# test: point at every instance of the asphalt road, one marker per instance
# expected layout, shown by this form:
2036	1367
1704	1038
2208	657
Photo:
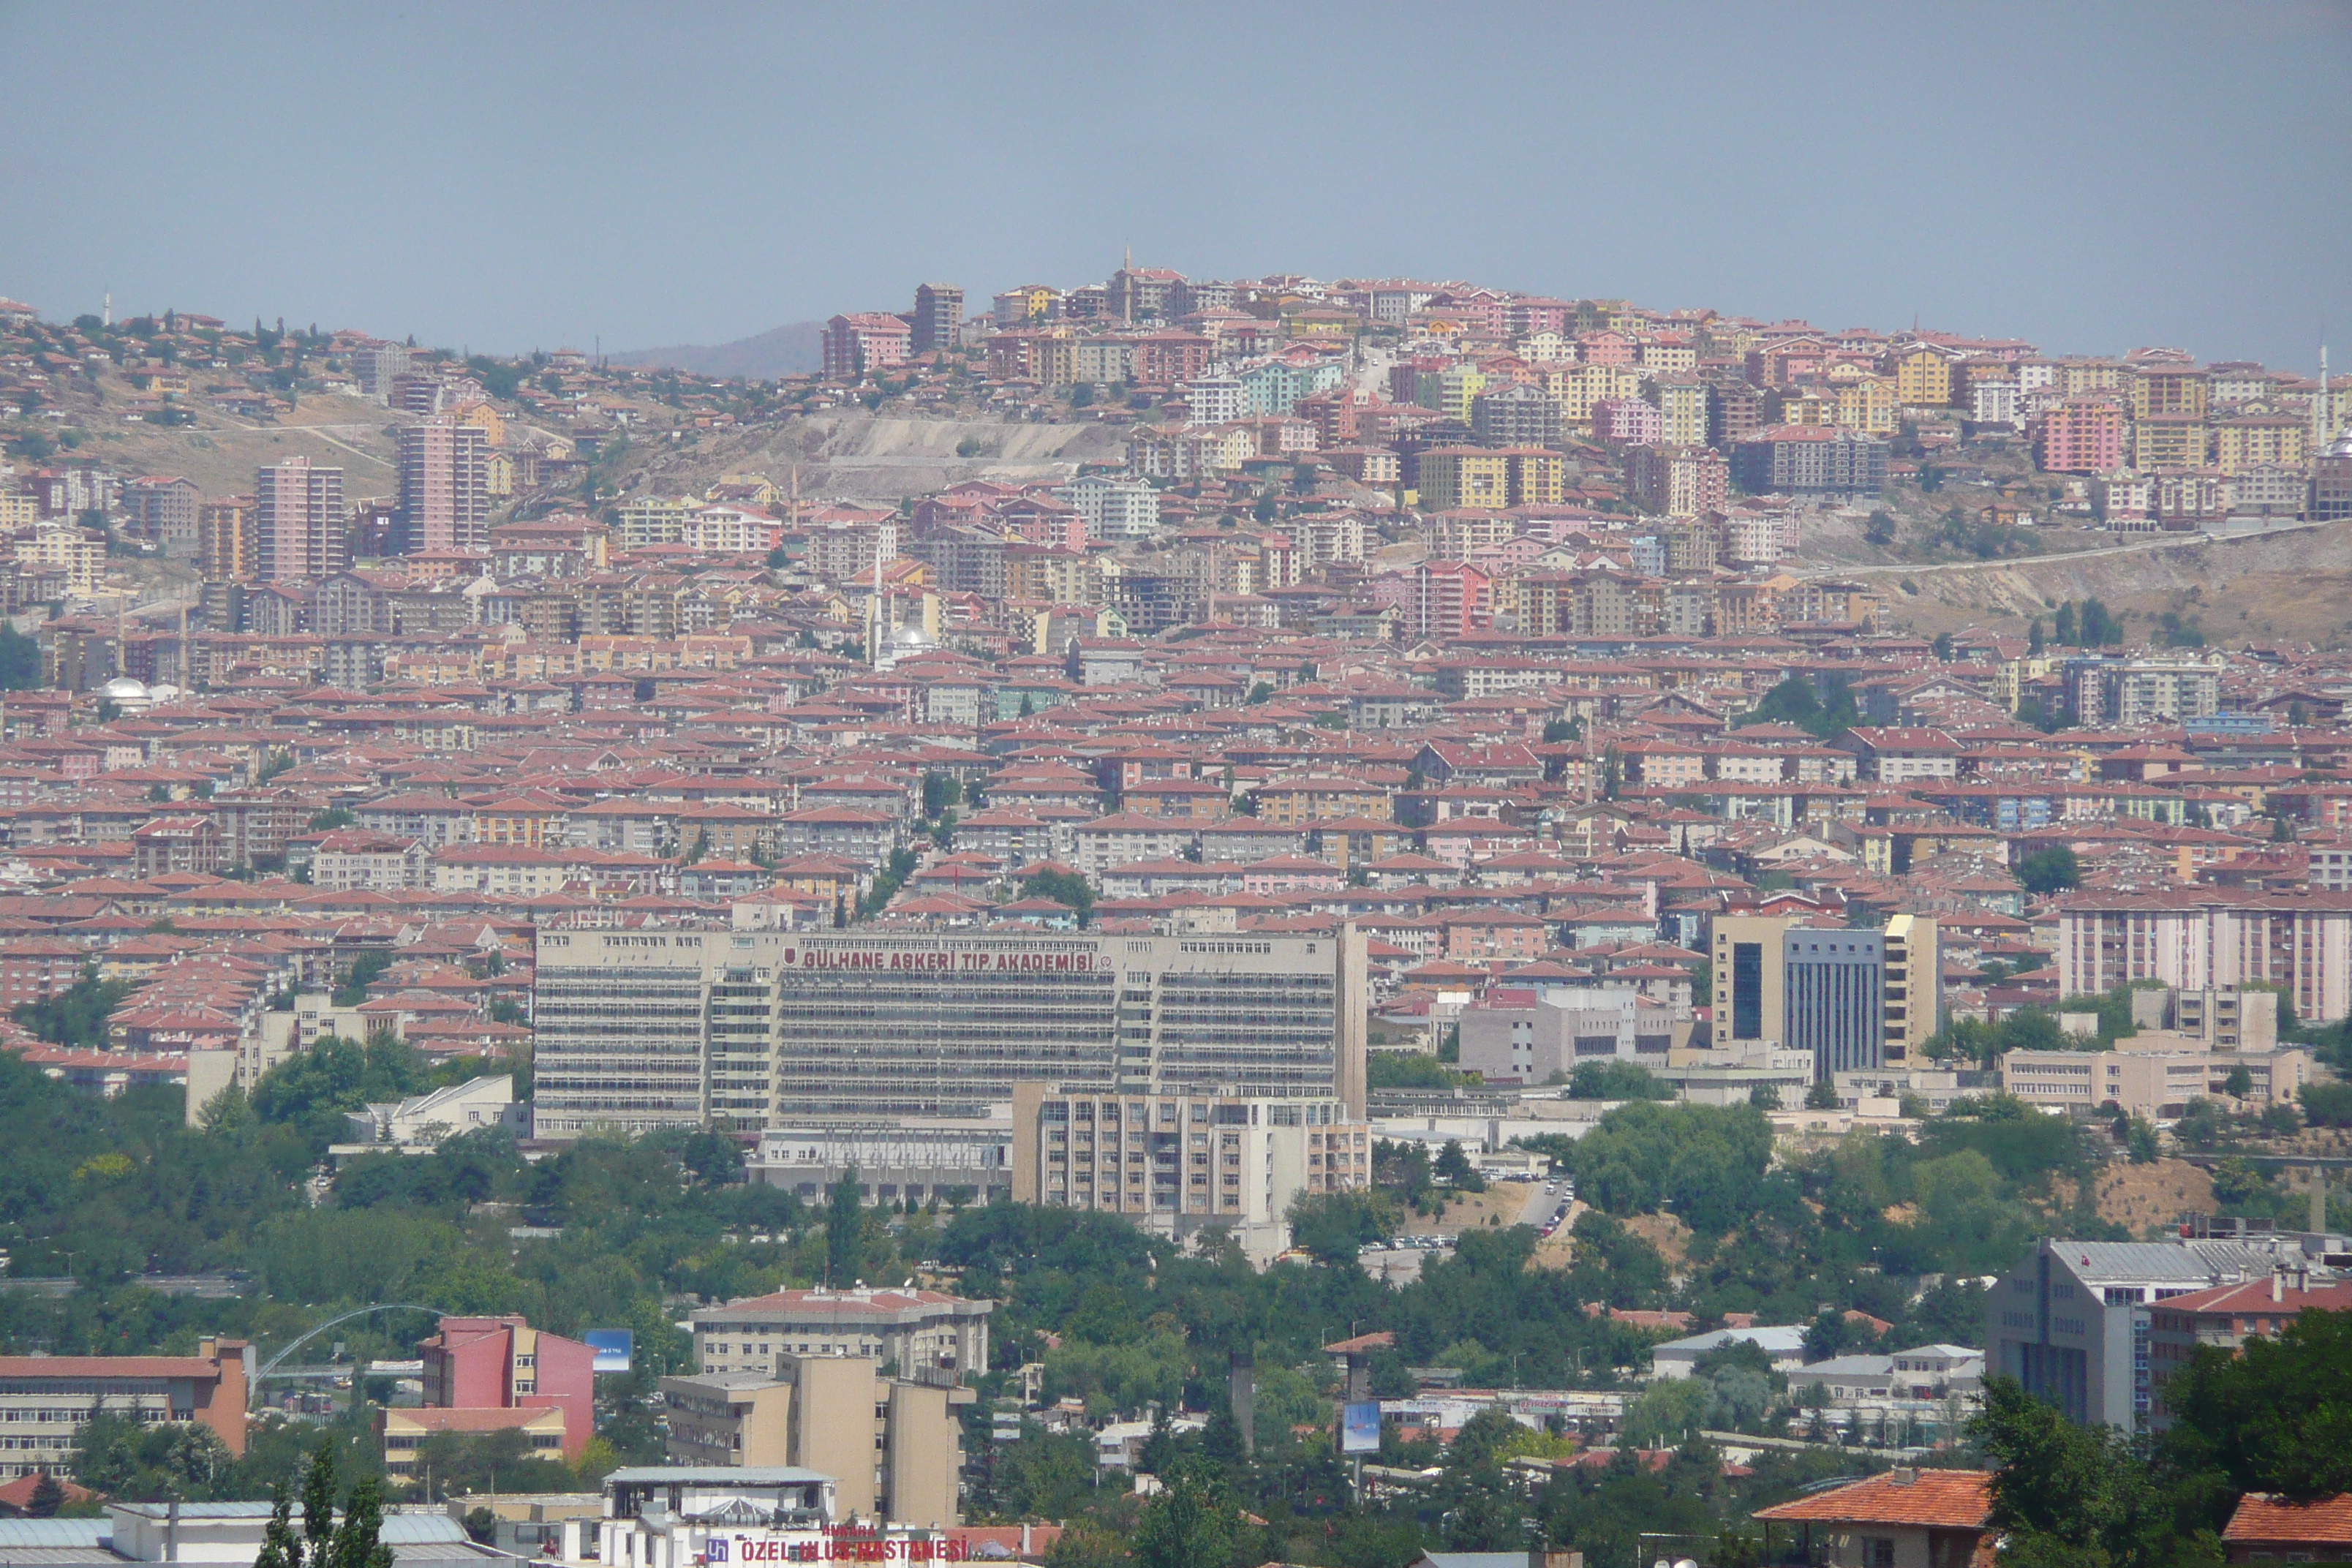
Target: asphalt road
2013	563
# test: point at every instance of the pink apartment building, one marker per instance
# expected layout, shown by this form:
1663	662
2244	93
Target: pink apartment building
2081	436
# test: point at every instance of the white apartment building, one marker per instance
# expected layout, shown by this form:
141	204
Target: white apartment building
1116	506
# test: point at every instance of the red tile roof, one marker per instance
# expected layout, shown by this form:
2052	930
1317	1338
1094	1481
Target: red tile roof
1939	1499
2264	1518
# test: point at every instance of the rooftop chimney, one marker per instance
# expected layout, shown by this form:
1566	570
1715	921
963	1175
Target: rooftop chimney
2278	1284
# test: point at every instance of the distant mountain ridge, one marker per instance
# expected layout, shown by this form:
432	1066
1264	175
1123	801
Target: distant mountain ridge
793	349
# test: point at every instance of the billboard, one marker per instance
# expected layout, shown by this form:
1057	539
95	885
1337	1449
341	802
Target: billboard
611	1347
1360	1428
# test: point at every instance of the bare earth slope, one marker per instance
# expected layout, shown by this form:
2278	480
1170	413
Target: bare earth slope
2293	583
858	456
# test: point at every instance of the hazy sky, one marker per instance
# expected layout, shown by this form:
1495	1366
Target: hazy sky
506	175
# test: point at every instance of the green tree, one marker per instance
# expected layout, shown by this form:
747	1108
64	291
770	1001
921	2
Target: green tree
1665	1411
1822	1095
1410	1070
2064	1494
1615	1079
319	1504
1065	888
46	1499
2275	1418
365	971
280	1547
20	659
75	1016
357	1542
941	792
1192	1523
1332	1226
2049	870
845	1231
1452	1167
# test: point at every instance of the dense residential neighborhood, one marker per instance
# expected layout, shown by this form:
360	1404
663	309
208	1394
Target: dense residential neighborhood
1173	922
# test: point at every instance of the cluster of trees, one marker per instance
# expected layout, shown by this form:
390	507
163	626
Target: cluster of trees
2089	626
77	1015
1410	1070
2271	1420
1795	701
1615	1078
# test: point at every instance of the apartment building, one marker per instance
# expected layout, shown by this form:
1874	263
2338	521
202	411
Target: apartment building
162	510
2225	1317
1679	481
298	516
228	540
503	1363
939	319
2205	939
1456	477
1116	506
2080	435
1811	459
864	341
445	497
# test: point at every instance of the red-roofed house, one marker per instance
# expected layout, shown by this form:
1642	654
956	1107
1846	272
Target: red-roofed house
1904	1519
2267	1528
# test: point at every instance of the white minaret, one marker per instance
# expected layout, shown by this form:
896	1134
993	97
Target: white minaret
105	312
2322	412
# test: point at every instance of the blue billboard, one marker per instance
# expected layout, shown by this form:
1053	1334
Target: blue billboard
611	1347
1360	1428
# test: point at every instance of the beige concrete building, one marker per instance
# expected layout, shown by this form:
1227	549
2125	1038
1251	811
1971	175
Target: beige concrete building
916	1333
1175	1163
726	1418
2154	1075
1914	986
892	1443
46	1400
